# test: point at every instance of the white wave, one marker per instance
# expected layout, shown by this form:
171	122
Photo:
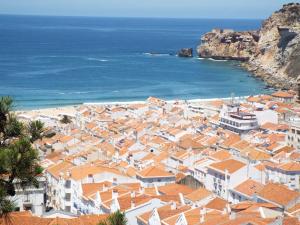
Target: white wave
218	60
96	59
215	60
156	54
73	92
80	92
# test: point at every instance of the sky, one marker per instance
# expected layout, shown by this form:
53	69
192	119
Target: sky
257	9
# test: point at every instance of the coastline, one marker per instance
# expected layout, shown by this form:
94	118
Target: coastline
69	110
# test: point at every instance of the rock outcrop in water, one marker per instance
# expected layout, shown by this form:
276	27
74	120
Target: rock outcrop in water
185	52
272	53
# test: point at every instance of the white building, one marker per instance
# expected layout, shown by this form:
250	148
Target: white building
293	136
224	175
31	198
235	120
65	184
285	173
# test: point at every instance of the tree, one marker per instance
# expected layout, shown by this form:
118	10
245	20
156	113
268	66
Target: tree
19	162
65	119
116	218
36	130
5	108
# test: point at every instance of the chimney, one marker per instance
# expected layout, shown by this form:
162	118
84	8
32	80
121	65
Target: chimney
156	190
114	193
173	205
104	187
202	214
181	199
132	204
69	173
132	194
228	208
232	216
142	190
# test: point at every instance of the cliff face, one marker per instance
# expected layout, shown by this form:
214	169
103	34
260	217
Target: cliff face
273	52
227	44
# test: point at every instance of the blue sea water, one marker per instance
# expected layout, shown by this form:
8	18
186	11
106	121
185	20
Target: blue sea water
55	61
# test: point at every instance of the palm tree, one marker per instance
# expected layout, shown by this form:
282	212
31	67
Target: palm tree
116	218
65	119
36	129
13	127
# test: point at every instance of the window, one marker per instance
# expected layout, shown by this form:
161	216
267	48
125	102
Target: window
27	207
68	184
293	131
68	197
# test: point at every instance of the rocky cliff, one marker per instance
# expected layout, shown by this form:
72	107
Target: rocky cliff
272	53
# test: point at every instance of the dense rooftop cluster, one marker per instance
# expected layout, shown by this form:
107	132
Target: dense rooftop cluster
181	162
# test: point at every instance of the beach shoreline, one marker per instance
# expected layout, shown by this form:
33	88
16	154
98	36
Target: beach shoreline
71	109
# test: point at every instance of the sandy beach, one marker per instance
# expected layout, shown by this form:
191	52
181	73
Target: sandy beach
71	110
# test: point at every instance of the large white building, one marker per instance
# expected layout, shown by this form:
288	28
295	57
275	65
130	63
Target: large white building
293	136
235	120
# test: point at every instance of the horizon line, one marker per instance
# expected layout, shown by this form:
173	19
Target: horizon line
129	17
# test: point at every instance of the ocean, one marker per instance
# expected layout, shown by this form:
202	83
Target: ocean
58	61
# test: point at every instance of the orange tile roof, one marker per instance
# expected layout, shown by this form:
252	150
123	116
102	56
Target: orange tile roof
244	205
164	212
199	194
253	99
83	171
217	203
241	145
231	140
271	192
282	94
62	167
26	218
221	155
255	154
290	221
66	138
249	187
187	143
91	188
170	189
290	166
231	165
153	171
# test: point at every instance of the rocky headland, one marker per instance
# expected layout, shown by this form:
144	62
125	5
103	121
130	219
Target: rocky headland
271	53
